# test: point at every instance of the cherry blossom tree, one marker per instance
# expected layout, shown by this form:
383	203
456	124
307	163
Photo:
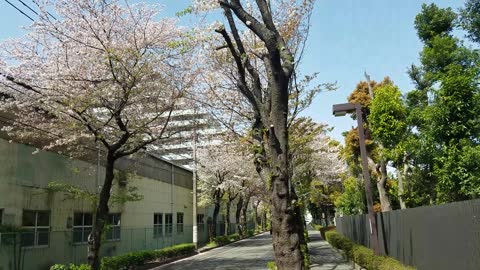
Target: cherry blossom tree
257	52
102	73
220	172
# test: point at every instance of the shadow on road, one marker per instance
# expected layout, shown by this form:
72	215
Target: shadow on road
259	240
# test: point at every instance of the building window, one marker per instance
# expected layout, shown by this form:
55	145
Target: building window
201	222
1	216
37	228
82	227
179	222
157	225
113	225
168	224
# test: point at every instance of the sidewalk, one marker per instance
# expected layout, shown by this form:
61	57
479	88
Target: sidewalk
323	256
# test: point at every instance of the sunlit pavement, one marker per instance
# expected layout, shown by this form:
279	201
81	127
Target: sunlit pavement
323	256
254	254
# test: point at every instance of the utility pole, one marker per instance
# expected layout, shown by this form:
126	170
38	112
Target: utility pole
341	110
195	225
366	178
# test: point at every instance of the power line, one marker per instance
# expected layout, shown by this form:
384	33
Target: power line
19	10
50	14
23	3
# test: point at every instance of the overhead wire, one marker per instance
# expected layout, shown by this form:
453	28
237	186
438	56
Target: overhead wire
14	121
19	10
36	3
31	9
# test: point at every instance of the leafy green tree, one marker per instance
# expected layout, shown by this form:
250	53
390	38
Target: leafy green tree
387	116
315	164
363	94
443	111
351	202
389	127
470	19
434	21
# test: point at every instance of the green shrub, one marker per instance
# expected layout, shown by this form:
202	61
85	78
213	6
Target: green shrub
222	240
323	230
234	237
316	226
225	239
339	241
141	257
271	266
70	267
250	233
363	256
212	245
392	264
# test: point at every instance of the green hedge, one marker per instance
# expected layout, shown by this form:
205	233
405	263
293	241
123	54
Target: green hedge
234	237
222	240
363	256
125	261
339	241
317	227
141	257
70	267
226	239
323	230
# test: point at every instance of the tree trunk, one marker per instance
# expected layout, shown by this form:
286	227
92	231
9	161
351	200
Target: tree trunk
101	215
402	179
227	219
384	200
216	210
255	214
244	214
264	219
238	214
287	226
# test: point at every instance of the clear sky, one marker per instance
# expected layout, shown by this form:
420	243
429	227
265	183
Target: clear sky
347	38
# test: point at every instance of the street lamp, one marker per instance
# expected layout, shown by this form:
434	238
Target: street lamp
341	110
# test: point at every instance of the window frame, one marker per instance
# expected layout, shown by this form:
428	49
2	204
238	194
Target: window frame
201	222
157	227
180	216
113	229
168	225
83	227
36	229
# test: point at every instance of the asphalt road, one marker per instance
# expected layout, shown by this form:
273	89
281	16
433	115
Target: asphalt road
252	253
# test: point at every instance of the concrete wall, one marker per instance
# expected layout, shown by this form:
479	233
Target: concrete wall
23	181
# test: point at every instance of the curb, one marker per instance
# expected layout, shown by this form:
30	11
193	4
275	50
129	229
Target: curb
153	265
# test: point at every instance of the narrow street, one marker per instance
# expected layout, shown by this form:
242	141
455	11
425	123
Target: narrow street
254	254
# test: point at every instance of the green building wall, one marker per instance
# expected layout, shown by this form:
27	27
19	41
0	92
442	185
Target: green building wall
24	178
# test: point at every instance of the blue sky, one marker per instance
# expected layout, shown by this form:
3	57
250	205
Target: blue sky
347	38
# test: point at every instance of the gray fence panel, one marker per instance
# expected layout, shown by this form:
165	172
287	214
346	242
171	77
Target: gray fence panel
429	238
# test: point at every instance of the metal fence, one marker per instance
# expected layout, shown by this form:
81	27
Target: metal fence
428	238
18	251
